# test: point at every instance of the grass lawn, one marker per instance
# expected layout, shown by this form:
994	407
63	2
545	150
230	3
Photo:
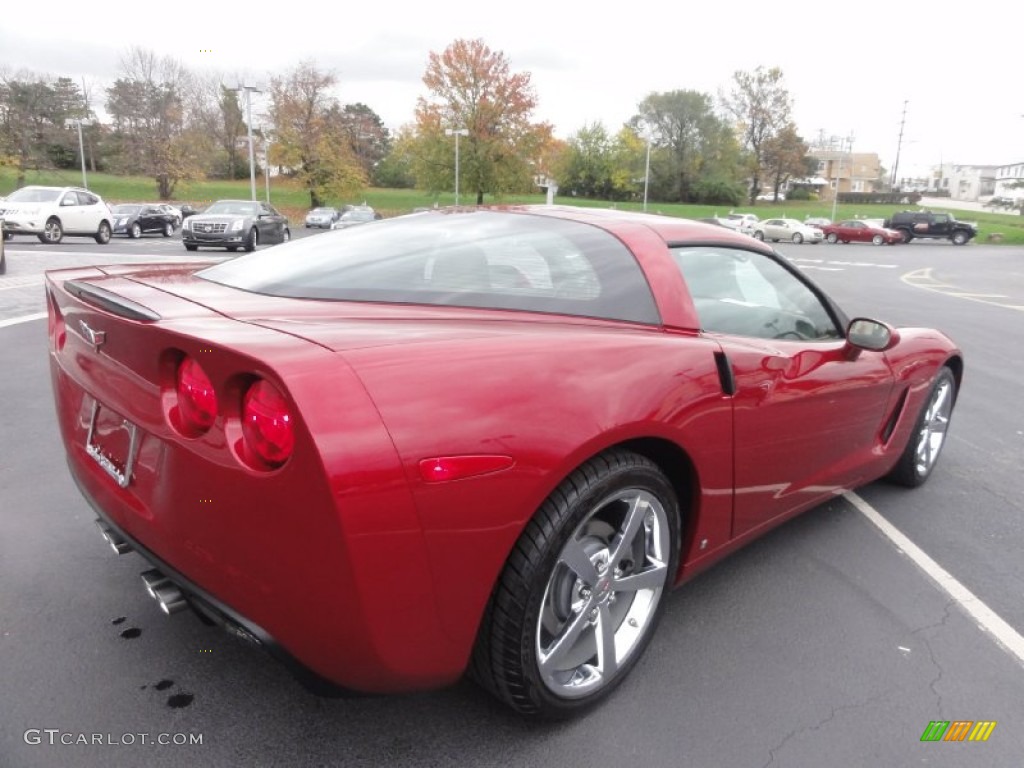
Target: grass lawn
294	202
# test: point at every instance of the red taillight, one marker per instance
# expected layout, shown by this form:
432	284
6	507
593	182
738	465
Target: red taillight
267	423
197	402
55	322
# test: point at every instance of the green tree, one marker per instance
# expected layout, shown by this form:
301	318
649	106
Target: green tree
784	155
37	128
368	137
471	87
310	136
690	143
761	106
150	126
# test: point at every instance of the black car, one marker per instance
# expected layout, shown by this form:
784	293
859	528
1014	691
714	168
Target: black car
135	219
235	224
931	225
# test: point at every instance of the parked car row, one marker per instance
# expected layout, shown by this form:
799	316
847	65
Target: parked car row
327	217
51	213
902	227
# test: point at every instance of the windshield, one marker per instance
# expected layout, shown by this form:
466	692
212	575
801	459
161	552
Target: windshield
485	259
357	216
232	208
321	211
34	195
126	208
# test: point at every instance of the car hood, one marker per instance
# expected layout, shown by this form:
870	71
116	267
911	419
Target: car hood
19	207
215	217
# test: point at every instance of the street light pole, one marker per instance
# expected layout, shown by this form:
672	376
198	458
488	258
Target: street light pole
456	132
266	165
647	172
838	175
249	90
81	153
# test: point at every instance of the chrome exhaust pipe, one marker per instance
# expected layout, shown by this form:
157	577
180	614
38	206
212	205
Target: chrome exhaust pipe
170	598
163	590
153	579
114	539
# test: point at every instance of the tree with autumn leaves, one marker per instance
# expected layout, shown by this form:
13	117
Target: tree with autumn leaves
312	135
472	88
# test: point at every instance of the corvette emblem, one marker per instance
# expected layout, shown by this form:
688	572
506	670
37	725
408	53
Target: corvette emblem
94	337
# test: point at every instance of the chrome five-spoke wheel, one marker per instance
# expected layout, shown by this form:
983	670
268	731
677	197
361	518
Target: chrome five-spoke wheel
929	435
602	593
582	591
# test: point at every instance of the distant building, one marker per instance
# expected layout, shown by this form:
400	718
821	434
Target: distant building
964	182
1006	177
847	171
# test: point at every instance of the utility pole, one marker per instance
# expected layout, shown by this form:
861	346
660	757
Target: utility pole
899	146
249	91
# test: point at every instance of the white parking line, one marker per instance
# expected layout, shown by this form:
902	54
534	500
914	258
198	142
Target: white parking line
9	283
988	620
922	278
22	319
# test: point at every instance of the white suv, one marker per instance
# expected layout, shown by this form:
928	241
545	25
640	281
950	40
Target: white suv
49	213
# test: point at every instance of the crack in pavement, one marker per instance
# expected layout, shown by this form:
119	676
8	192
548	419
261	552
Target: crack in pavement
773	751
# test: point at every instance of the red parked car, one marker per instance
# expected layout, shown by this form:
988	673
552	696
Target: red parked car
857	231
473	440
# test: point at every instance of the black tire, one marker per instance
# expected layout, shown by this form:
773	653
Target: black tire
3	263
929	434
759	235
250	241
286	235
168	229
960	237
907	237
135	231
797	238
878	240
191	247
103	233
233	248
832	237
8	235
53	232
576	529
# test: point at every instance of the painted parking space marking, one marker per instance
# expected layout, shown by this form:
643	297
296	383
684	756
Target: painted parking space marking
8	283
922	278
22	319
837	265
987	620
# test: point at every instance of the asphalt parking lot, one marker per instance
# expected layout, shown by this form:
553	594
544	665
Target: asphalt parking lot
821	644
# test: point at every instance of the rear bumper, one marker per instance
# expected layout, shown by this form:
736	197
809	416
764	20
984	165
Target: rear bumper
208	606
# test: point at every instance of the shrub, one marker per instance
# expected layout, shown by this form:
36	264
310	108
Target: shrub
718	192
799	193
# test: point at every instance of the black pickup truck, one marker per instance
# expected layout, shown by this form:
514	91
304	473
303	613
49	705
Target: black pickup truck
931	225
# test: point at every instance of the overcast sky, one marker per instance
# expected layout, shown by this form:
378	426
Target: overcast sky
849	66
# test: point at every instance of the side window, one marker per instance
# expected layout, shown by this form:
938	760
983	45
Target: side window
70	198
750	294
86	199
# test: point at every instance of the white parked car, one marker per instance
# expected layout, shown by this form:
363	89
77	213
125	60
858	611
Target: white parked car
50	213
741	222
787	229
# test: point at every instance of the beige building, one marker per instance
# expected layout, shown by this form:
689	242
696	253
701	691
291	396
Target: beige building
850	171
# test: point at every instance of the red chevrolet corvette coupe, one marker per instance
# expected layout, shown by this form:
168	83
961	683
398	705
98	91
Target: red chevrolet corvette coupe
473	440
